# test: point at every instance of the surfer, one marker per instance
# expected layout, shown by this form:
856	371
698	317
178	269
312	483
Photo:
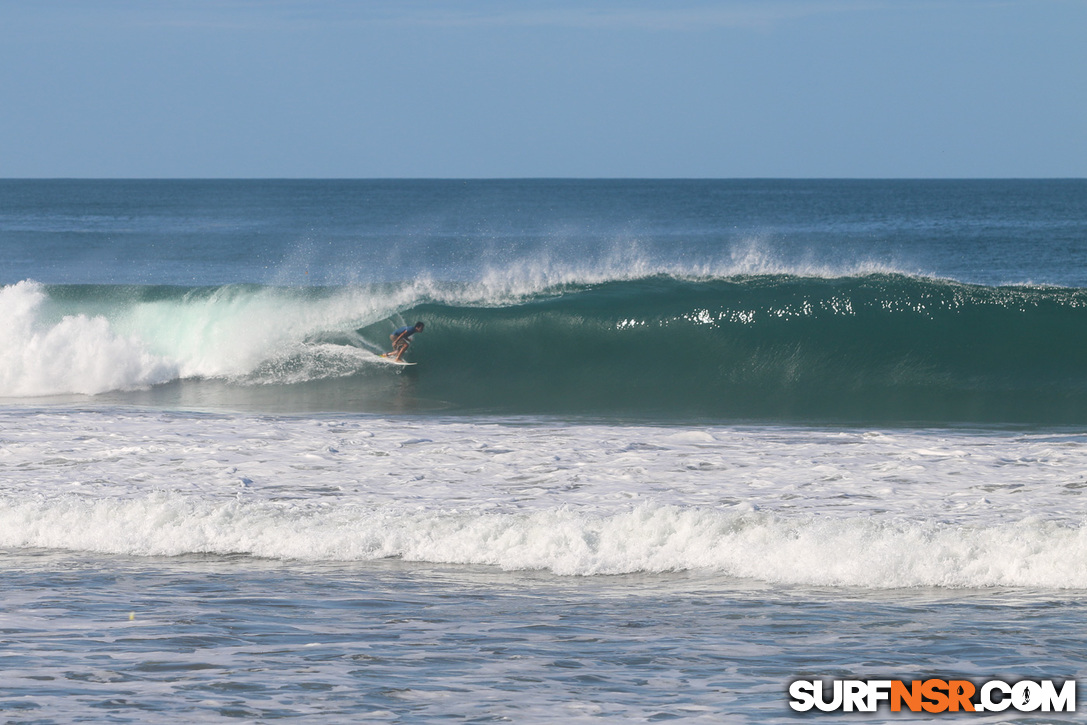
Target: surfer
402	338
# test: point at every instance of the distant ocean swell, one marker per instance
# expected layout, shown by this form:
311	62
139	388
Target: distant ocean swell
884	347
809	550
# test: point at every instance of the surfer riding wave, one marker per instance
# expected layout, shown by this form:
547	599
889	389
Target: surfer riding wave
401	339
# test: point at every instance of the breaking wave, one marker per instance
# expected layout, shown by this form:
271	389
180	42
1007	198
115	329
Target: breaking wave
808	550
867	346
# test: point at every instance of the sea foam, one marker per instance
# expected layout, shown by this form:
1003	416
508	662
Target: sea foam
109	341
791	506
74	354
819	551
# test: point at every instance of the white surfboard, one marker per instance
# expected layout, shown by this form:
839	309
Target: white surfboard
386	358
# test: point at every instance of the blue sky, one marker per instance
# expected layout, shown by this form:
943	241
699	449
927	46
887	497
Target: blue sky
534	88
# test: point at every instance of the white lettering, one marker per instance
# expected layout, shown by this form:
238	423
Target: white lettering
1026	696
987	699
855	696
878	690
835	703
803	694
1065	701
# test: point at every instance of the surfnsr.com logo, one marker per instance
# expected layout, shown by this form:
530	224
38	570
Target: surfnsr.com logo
932	695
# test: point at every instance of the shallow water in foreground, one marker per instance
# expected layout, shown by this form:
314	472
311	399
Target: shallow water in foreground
340	568
235	637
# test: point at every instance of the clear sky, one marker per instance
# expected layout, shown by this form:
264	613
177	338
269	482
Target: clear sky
540	88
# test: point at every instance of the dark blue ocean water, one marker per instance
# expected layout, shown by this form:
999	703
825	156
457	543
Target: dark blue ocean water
340	232
668	445
797	301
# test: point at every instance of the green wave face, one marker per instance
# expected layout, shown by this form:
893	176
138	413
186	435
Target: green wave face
882	348
879	347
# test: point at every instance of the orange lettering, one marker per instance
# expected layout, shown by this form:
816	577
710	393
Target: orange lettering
960	692
912	696
933	690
